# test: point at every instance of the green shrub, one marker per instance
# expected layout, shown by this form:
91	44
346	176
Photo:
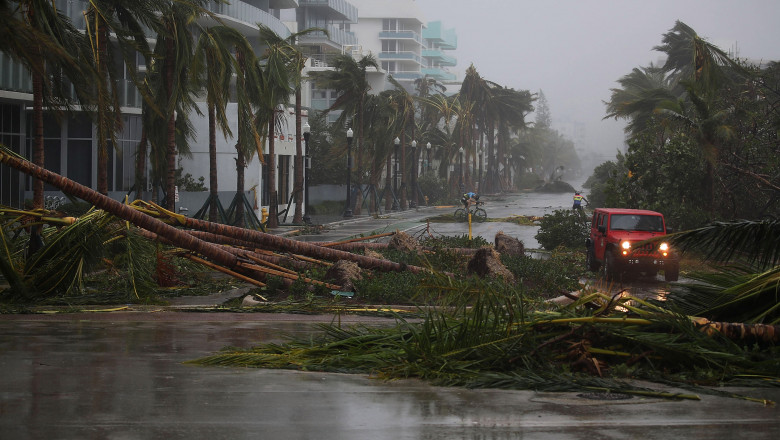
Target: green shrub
433	188
566	228
548	277
389	287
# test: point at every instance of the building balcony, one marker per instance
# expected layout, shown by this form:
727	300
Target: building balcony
337	38
248	15
401	35
408	75
444	38
400	56
439	74
14	76
336	10
439	57
283	4
73	9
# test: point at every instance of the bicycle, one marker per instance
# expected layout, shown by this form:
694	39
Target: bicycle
477	213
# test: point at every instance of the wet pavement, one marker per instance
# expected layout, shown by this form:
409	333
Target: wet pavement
120	375
66	378
413	221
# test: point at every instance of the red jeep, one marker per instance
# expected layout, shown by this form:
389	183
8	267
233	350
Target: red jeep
612	244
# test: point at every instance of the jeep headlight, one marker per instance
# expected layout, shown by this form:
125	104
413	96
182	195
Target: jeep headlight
626	246
664	248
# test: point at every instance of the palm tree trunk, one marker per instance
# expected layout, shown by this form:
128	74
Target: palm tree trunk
374	182
359	163
213	184
103	110
140	167
177	237
282	244
38	151
403	170
170	151
298	189
389	182
240	167
273	208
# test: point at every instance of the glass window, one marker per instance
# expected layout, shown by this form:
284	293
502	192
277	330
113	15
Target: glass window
633	222
52	159
80	127
80	161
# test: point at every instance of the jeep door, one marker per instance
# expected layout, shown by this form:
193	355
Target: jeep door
598	232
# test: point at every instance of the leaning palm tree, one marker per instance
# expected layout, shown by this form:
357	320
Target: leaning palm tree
250	82
402	103
348	79
296	61
174	51
125	22
44	41
277	88
212	71
696	72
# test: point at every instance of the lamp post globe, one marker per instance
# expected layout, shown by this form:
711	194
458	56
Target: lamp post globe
348	210
460	183
306	166
428	147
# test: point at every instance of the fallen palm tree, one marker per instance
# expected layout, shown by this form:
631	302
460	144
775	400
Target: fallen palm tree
178	237
156	220
274	242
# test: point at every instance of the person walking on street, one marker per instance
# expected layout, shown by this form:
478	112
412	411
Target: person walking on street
578	199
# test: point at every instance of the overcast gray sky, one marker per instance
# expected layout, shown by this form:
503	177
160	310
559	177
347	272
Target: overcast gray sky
576	50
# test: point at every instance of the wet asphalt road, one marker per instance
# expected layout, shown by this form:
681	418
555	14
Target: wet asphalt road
66	378
120	376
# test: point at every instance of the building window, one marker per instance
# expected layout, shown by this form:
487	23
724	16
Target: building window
390	24
389	46
283	183
264	197
11	136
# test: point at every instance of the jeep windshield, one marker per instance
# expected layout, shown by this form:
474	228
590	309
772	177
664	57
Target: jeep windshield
633	222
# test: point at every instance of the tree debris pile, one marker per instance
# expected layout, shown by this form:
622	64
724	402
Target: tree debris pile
486	338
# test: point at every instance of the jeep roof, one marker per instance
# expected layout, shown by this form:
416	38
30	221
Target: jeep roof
627	211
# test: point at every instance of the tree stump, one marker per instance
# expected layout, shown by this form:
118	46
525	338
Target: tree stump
404	242
507	245
343	273
487	263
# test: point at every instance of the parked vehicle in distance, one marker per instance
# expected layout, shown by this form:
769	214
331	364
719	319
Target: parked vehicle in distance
612	245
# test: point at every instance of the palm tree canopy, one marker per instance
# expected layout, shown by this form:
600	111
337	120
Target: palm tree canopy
348	79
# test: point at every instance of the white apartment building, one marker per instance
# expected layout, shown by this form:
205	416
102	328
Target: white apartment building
394	31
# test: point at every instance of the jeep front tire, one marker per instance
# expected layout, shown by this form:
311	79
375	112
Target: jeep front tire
672	272
611	272
591	263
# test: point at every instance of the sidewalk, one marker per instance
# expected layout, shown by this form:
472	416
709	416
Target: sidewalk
336	228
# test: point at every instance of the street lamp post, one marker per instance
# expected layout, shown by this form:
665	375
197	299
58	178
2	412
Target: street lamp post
460	183
428	147
348	211
479	157
413	201
510	165
306	167
397	142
